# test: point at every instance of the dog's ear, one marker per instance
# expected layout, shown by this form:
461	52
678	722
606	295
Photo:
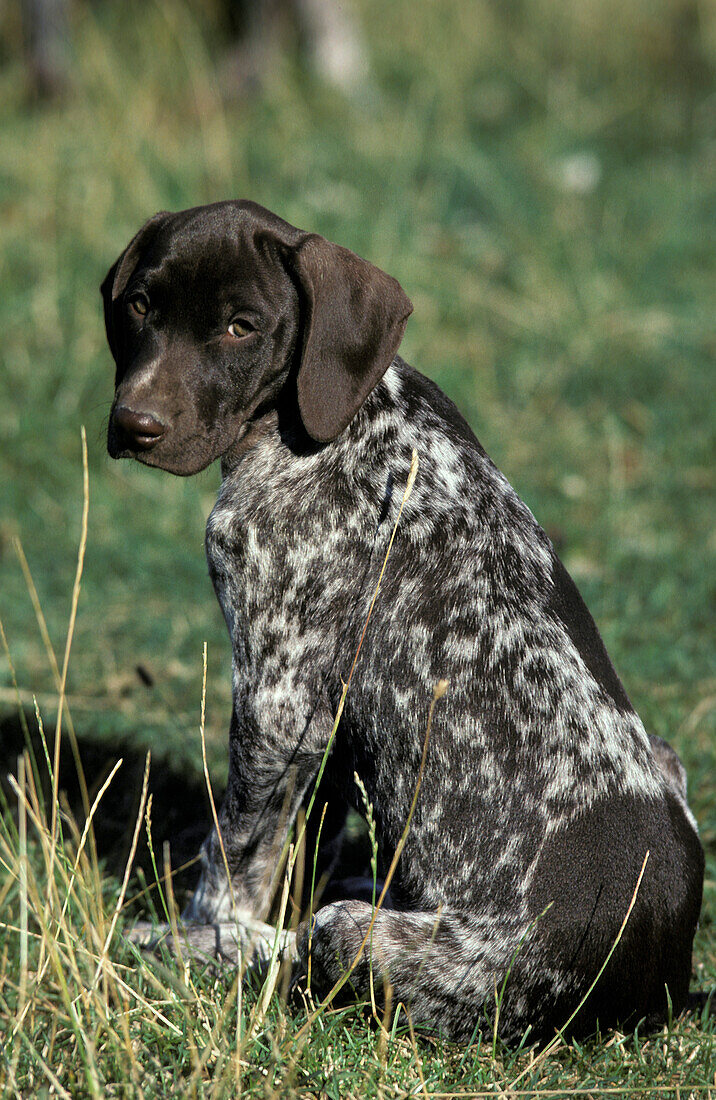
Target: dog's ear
354	322
120	272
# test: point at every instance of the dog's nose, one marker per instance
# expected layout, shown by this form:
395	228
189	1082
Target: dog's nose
140	429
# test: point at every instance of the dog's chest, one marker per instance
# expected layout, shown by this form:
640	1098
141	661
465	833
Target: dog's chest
283	565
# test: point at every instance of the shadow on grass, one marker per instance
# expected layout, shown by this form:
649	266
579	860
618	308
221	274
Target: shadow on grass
180	815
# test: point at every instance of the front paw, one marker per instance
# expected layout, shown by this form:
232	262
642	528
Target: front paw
243	941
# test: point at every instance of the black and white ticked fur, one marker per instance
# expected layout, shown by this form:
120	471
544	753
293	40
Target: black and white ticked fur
535	752
541	793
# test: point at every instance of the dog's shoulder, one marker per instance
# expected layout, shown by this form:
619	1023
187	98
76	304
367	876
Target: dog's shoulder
458	485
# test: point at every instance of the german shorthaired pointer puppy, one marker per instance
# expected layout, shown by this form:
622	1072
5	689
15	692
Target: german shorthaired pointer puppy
237	336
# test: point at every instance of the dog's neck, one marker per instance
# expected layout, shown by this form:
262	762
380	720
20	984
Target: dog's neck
277	416
251	432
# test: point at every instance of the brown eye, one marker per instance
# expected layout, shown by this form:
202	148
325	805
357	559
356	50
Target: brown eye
140	304
240	328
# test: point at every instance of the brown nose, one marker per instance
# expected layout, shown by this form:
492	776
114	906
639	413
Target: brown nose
140	430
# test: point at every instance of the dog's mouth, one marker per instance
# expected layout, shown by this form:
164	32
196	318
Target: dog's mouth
169	450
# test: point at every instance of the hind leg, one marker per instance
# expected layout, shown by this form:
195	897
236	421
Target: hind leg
444	967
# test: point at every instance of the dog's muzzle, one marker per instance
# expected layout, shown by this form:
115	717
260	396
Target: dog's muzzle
136	431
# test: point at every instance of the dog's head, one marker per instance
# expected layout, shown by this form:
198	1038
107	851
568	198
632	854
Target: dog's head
214	313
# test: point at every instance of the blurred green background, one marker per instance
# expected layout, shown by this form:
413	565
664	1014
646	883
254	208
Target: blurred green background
539	176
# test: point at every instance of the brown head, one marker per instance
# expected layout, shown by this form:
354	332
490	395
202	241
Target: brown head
215	314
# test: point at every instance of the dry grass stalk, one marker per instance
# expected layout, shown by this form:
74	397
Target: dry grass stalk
66	659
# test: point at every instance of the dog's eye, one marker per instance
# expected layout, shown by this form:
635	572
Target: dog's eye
139	303
240	328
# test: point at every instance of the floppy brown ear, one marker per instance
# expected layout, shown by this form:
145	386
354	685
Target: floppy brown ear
120	272
356	315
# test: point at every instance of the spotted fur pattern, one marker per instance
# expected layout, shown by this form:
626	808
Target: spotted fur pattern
542	800
541	794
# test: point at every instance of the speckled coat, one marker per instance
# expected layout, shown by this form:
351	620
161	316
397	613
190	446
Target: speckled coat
542	793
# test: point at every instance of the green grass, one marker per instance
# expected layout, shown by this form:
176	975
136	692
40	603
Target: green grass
573	327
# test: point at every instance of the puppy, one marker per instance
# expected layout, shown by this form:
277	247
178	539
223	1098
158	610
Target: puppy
237	336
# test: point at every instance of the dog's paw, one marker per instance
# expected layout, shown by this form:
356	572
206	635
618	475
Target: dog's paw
244	941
